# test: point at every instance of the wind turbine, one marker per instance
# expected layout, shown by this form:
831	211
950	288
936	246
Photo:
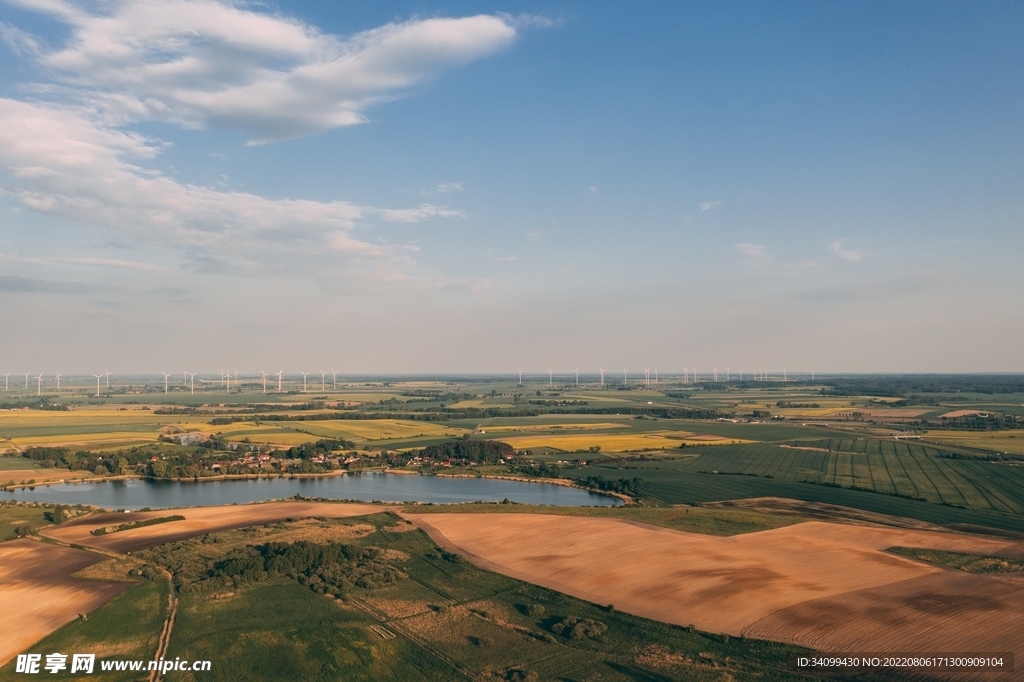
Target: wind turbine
58	380
5	381
323	382
279	373
741	374
655	375
647	376
577	376
624	380
264	380
303	380
602	375
98	377
106	373
166	375
335	375
520	377
812	374
714	372
192	381
26	380
39	386
550	377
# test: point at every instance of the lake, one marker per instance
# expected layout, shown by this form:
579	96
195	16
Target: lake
139	493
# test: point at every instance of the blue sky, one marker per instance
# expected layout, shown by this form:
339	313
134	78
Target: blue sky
413	187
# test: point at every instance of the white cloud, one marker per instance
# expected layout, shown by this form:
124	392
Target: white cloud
708	205
61	164
751	250
593	189
852	255
505	259
413	215
202	63
209	63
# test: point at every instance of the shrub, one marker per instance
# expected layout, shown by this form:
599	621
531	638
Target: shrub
579	628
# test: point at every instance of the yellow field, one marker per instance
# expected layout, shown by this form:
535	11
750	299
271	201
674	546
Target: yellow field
87	440
598	426
998	441
378	429
615	442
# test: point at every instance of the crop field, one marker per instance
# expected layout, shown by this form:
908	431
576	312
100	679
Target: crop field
886	466
38	593
1011	442
440	618
734	585
554	428
606	442
128	626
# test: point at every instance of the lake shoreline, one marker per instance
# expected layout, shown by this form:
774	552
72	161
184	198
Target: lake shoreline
626	499
136	492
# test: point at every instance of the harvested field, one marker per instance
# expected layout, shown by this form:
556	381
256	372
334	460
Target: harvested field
41	475
614	442
197	521
945	611
720	584
38	594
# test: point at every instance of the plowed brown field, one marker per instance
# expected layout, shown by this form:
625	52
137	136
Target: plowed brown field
777	584
198	520
38	594
947	611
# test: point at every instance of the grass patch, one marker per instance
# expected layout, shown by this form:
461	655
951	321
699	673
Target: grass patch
19	520
971	563
706	520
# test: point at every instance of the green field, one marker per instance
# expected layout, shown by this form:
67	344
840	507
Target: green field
708	521
970	563
21	516
885	466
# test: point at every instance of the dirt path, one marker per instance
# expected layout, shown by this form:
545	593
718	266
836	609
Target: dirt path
165	633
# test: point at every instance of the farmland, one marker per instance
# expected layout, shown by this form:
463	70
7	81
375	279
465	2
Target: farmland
884	466
737	464
439	617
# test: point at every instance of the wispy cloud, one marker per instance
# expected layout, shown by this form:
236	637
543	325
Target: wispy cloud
20	285
448	187
505	259
708	205
98	262
837	249
756	251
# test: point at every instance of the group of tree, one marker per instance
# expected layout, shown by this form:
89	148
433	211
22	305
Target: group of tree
466	451
330	568
625	486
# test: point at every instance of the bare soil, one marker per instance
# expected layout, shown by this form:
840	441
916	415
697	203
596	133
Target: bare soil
729	584
38	594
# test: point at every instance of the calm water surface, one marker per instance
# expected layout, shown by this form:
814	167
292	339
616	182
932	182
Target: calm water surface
135	493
